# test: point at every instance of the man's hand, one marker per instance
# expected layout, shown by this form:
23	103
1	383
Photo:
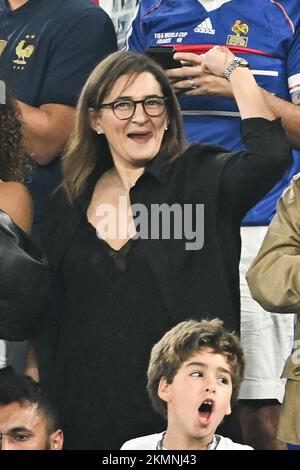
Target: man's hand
194	78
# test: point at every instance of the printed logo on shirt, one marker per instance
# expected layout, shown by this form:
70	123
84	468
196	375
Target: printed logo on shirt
24	51
238	28
2	45
205	27
167	38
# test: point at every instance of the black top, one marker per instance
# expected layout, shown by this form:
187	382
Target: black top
184	283
111	319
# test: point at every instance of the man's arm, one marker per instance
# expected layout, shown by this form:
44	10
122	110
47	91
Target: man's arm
31	366
274	276
289	114
79	46
46	129
15	200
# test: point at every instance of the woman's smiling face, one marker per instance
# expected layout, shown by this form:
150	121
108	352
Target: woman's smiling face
133	141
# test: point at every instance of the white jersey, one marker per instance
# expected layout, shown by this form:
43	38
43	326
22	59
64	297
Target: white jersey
151	442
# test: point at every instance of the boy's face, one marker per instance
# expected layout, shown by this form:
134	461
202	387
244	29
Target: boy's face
198	398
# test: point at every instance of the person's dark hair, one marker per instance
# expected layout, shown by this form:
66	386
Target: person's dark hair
12	156
87	150
22	389
184	340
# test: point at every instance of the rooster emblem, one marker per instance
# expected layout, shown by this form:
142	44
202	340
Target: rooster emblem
23	53
240	28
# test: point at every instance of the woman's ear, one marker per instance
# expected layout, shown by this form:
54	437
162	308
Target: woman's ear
95	120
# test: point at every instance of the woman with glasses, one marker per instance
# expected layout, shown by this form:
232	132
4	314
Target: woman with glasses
143	233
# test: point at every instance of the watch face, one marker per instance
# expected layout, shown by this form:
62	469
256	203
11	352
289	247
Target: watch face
243	62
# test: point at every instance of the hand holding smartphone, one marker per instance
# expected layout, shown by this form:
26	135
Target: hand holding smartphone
163	55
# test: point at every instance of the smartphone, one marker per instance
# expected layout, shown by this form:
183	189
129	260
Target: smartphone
163	55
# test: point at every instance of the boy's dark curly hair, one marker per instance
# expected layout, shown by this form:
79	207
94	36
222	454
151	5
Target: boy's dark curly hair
12	156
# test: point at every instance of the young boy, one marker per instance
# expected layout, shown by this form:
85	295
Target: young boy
194	376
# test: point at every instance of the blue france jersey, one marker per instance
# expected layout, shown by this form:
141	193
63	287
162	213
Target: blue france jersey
262	31
48	48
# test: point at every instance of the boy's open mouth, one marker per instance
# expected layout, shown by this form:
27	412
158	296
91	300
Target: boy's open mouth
205	410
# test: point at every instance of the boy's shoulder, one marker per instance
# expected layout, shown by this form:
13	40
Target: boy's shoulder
150	443
144	442
227	444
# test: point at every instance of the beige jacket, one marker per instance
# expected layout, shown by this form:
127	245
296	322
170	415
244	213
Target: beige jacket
274	281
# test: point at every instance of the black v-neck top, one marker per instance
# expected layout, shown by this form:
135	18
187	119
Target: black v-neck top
108	313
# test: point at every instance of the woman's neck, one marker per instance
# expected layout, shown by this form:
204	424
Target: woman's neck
125	177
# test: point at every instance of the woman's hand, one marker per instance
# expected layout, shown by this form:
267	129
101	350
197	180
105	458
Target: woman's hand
194	78
217	59
204	75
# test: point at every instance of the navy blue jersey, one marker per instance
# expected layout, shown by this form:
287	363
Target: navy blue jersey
262	31
47	50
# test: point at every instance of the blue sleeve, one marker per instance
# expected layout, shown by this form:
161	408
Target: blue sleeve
137	39
78	47
291	12
293	69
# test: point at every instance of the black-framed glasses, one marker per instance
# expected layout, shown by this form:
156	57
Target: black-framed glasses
124	109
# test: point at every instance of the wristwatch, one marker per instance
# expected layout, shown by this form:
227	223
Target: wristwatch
236	62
